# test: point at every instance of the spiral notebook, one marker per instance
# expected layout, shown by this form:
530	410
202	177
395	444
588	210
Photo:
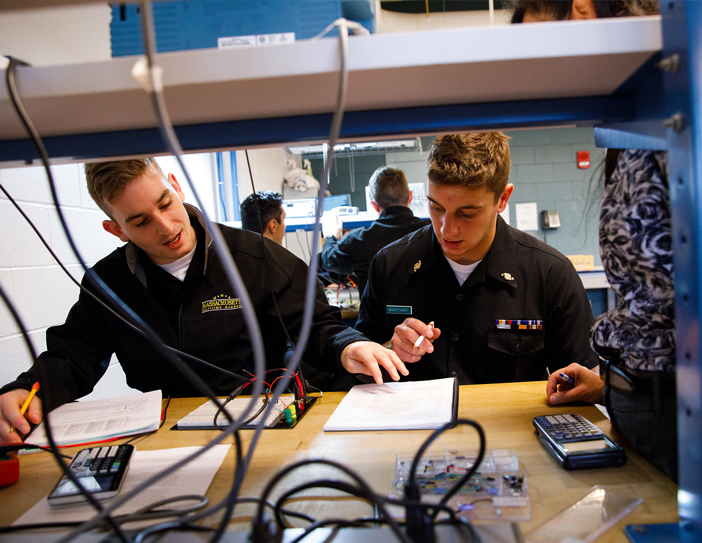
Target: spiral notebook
412	405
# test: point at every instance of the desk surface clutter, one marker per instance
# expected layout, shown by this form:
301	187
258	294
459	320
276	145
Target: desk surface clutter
505	411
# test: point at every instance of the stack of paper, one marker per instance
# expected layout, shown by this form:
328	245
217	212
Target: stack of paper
416	405
84	422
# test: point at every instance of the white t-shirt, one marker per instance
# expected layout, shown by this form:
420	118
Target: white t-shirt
462	271
179	268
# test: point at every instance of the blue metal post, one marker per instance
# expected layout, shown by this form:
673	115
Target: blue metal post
682	36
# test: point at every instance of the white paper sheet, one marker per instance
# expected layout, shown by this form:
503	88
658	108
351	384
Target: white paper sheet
527	216
203	416
193	478
395	406
82	422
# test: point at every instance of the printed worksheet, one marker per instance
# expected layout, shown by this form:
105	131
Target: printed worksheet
83	422
396	406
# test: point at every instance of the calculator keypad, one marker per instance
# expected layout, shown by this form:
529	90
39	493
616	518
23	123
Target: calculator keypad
566	428
100	460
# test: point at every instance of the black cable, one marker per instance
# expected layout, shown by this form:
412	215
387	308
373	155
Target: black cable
267	261
4	449
412	489
98	283
106	306
321	483
312	280
171	140
49	434
266	399
340	523
26	121
169	136
363	486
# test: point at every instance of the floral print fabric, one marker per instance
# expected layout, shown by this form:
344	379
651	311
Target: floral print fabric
636	251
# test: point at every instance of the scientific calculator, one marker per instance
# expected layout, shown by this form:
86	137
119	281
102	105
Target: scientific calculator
576	443
101	470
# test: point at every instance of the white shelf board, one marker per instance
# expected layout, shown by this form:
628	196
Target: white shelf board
474	65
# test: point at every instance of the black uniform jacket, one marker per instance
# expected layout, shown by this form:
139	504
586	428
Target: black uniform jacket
211	322
353	253
519	278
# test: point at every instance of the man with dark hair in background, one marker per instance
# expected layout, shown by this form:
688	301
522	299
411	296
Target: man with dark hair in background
505	305
391	197
264	210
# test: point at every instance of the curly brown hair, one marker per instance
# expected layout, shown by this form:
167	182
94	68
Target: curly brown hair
471	160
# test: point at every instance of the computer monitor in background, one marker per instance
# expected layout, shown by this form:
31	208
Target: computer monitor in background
336	200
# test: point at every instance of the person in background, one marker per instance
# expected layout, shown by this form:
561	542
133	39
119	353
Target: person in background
636	341
264	211
170	275
391	197
505	305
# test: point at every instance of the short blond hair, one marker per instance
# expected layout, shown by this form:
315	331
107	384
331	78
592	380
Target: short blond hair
474	161
107	180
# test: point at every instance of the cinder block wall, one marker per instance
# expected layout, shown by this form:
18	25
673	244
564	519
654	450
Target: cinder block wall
40	291
544	171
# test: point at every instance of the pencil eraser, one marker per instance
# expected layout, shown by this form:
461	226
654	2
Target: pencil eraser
9	469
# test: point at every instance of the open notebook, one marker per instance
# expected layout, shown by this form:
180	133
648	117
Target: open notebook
416	405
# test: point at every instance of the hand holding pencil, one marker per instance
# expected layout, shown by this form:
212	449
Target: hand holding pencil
14	407
413	339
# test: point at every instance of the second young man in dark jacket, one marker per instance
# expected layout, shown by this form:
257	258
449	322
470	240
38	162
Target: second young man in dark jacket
391	197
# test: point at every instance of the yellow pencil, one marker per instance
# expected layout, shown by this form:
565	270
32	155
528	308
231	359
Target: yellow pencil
26	403
32	393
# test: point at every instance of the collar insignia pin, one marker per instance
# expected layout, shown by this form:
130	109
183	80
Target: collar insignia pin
508	276
418	265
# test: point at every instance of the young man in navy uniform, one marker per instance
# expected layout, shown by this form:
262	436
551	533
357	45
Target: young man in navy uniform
504	306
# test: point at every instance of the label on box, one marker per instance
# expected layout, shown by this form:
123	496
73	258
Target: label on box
258	40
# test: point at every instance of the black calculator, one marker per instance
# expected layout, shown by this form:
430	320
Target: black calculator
101	471
576	443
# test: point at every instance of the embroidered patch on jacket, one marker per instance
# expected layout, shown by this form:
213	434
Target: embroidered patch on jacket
221	303
398	309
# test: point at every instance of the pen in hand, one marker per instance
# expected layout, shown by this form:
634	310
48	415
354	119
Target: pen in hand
26	403
566	378
422	337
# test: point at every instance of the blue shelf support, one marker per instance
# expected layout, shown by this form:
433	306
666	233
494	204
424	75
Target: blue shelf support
682	36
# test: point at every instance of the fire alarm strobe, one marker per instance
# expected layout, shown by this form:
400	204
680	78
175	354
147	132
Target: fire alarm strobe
583	159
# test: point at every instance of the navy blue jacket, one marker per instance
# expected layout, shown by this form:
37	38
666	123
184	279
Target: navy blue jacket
211	323
519	278
353	253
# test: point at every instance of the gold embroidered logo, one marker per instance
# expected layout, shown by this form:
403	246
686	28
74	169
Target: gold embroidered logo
221	303
418	265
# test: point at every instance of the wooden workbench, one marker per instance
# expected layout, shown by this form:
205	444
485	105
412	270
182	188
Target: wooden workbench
504	410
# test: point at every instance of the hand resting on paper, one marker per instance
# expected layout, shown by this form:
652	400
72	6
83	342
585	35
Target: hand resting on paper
11	422
366	357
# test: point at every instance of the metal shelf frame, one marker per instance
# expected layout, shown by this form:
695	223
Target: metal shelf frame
629	114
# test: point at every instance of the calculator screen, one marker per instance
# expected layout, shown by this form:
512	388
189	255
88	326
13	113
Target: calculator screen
93	484
580	446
